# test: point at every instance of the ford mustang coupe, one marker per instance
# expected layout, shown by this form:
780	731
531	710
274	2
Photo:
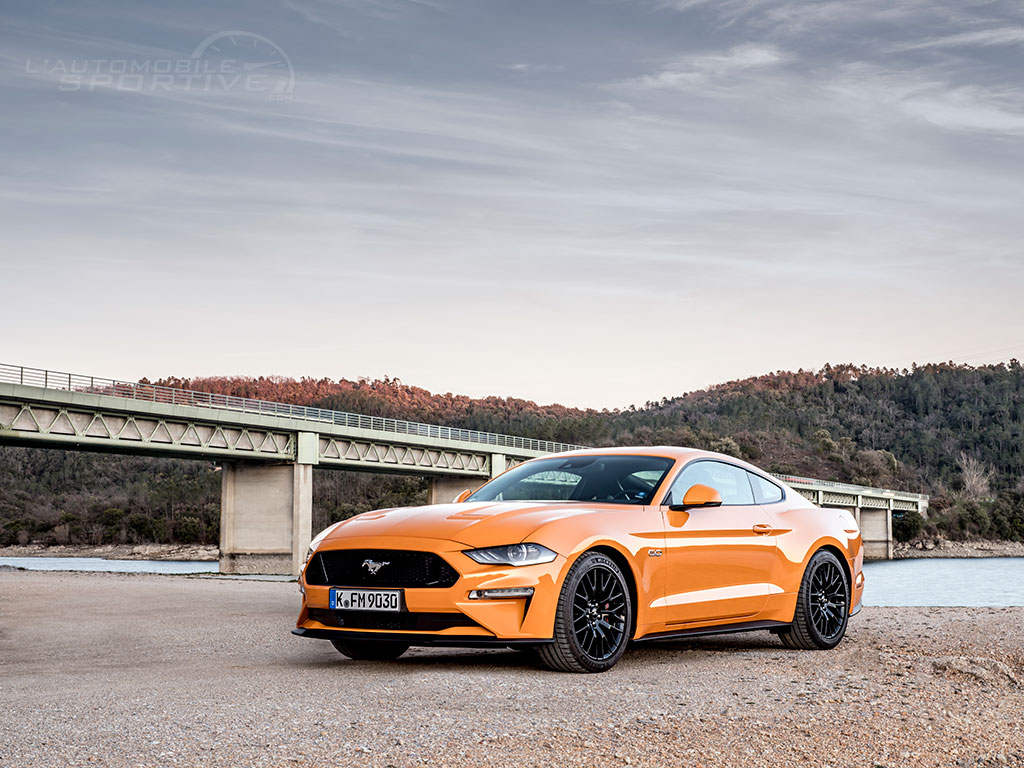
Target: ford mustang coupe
577	554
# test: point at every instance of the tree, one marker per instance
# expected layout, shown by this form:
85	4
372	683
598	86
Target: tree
976	477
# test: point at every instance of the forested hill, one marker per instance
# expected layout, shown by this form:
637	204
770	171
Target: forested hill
845	422
926	418
949	430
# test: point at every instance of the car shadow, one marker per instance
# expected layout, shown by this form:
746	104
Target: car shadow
746	641
327	658
526	662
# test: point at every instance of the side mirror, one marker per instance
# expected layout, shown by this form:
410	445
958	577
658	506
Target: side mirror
698	496
463	496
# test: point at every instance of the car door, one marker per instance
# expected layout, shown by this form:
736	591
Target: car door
719	560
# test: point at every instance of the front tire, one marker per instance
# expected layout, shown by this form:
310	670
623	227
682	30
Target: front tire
365	650
822	606
592	619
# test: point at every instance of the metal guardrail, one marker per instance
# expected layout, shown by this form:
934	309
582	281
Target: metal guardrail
37	377
796	480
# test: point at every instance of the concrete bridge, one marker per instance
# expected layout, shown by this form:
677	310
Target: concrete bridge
267	452
873	508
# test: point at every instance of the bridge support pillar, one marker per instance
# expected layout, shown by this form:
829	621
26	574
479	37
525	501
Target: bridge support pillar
876	531
444	488
265	517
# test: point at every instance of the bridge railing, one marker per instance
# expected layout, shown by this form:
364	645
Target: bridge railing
796	480
38	377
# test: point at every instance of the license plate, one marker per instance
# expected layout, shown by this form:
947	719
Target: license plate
366	600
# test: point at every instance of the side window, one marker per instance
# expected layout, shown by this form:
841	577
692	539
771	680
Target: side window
728	480
765	491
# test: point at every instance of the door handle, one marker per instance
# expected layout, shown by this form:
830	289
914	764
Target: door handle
763	528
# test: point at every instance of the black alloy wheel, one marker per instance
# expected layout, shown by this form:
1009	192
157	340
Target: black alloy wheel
828	599
593	618
822	605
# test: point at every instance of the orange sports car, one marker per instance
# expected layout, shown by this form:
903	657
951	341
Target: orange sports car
576	554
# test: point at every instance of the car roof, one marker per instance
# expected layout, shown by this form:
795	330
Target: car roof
680	454
668	451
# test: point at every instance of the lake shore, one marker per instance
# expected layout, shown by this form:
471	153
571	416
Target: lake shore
190	552
944	548
185	671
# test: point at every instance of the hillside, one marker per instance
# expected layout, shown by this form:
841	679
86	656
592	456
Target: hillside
950	430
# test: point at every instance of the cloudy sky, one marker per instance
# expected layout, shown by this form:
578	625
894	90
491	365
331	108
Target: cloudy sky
595	203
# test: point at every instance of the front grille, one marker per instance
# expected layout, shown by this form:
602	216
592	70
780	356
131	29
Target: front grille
345	568
409	622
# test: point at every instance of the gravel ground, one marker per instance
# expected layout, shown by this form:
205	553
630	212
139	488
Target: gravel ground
142	670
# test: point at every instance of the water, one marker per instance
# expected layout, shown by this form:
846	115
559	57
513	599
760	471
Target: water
109	566
996	581
982	581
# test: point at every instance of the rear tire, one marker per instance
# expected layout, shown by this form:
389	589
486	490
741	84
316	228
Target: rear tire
592	619
367	650
822	606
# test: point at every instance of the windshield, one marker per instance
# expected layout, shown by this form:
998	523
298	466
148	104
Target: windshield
611	479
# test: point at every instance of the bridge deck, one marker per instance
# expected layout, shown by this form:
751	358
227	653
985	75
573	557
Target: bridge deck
244	410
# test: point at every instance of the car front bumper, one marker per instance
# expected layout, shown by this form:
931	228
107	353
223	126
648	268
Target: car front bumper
505	621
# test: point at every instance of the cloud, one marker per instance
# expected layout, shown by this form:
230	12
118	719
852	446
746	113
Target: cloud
529	67
981	38
701	69
928	96
844	25
972	109
330	11
731	10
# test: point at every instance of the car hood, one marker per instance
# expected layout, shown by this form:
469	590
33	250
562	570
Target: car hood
476	524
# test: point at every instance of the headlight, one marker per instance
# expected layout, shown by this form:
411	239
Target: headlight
513	554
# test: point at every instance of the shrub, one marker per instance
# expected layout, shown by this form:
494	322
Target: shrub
111	520
966	519
824	443
1007	515
874	468
19	531
141	528
726	445
62	533
976	519
189	530
75	527
907	526
750	446
8	535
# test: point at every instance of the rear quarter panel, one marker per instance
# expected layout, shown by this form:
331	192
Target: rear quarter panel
805	529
